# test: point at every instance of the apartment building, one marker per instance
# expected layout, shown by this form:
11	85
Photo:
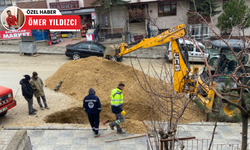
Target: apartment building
163	15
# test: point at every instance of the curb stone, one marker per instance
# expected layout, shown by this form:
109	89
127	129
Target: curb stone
49	128
52	53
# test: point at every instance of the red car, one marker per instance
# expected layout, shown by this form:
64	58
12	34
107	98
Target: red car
6	100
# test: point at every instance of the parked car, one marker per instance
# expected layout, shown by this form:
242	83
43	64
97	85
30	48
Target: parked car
86	49
194	53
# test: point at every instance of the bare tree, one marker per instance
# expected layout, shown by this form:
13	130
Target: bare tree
234	65
167	106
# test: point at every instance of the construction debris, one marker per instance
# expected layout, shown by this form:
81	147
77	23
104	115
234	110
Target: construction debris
58	86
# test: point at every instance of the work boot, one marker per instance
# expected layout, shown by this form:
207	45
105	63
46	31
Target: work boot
42	108
111	127
32	113
121	132
47	107
34	110
97	135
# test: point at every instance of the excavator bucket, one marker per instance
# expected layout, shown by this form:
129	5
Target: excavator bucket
111	51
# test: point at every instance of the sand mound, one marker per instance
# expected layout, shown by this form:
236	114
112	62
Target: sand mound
134	126
104	75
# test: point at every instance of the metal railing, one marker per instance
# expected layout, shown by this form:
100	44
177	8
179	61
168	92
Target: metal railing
198	144
203	144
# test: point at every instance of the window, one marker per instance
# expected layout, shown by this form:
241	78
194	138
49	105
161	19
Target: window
95	47
102	46
83	46
195	31
166	9
202	48
189	47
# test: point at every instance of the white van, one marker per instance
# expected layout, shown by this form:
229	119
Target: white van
194	53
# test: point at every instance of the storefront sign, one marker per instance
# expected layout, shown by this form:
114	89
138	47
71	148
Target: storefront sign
93	16
65	5
105	19
14	34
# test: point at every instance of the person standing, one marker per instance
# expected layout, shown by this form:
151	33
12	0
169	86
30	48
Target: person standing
92	107
27	93
37	86
12	21
116	106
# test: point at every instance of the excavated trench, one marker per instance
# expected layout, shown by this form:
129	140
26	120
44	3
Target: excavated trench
77	115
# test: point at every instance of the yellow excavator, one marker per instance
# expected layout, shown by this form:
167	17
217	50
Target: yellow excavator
184	81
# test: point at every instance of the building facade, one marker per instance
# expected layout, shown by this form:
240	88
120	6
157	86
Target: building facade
158	16
162	15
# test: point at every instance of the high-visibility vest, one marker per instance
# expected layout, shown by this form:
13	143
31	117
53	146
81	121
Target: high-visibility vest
116	97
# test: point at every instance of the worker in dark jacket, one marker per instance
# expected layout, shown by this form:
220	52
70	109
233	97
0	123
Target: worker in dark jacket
28	93
92	107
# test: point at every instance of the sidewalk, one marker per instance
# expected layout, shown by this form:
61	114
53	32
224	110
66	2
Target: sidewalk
74	139
155	52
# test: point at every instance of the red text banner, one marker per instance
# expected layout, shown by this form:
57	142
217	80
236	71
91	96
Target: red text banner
52	22
14	34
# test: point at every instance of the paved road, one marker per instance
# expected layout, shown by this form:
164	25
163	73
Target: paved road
156	52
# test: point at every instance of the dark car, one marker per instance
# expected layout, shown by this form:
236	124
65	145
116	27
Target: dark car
86	49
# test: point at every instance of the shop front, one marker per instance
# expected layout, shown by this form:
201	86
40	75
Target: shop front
88	19
87	15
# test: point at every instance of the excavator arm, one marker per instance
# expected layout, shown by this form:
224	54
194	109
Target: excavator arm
165	37
183	82
181	69
180	66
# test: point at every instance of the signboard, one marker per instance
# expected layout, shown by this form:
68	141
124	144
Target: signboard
106	19
14	34
65	5
93	15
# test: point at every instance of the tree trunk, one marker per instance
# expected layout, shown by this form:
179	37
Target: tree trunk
202	26
244	131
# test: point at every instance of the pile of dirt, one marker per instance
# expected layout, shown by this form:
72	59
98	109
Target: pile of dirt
104	75
134	126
